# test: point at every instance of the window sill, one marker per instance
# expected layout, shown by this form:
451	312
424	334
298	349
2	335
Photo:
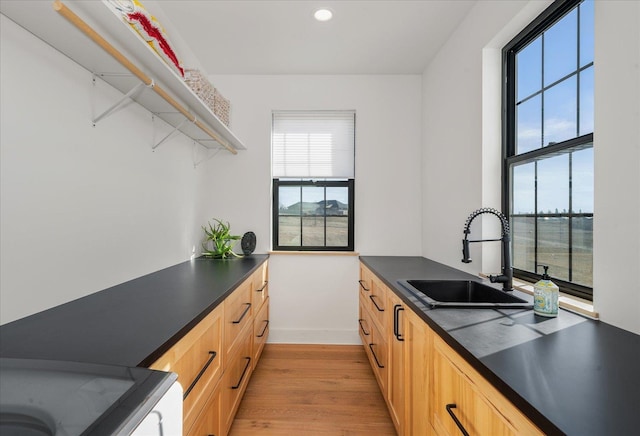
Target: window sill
567	302
316	253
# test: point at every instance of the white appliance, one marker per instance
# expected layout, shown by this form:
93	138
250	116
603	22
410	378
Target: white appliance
44	397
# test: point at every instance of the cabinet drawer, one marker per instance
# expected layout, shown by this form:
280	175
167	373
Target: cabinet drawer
374	295
260	331
237	315
236	377
376	347
197	360
461	394
260	286
208	422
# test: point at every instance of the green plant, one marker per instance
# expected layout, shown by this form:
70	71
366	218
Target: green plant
219	241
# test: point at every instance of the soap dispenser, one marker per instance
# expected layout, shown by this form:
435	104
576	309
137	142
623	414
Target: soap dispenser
545	296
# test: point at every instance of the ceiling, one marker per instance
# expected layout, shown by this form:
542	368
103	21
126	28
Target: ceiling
282	37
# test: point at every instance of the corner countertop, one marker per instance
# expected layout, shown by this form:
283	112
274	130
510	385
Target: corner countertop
569	375
131	324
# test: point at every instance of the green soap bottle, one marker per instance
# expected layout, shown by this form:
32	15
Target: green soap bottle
545	296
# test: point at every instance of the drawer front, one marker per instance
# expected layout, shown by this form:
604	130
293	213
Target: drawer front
260	331
208	422
376	348
260	286
197	360
378	304
236	377
237	315
364	323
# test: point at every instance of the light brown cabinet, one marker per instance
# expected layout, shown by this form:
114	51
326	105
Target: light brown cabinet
462	399
216	358
425	382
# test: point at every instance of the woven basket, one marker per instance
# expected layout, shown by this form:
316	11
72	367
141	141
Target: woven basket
221	107
201	86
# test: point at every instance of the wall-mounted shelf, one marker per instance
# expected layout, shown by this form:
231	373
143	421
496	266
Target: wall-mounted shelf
121	58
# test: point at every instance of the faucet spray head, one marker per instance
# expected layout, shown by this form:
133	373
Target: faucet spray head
465	251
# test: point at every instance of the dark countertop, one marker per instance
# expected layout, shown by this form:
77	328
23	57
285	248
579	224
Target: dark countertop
131	324
569	375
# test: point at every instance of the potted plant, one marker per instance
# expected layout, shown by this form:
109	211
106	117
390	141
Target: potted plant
219	241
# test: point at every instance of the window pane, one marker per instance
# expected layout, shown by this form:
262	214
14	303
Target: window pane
523	192
337	231
523	237
582	181
553	185
529	125
582	234
560	112
586	32
313	231
289	199
561	48
586	101
289	231
529	69
553	245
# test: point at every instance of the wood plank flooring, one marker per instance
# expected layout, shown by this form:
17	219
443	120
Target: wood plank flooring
300	390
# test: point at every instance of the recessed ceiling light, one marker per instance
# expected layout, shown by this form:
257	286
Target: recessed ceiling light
323	14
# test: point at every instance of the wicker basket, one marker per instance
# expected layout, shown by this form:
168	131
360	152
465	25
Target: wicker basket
221	107
201	86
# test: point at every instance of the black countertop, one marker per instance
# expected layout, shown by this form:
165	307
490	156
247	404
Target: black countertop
131	324
569	375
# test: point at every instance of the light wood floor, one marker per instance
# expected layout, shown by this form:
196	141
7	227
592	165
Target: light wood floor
299	390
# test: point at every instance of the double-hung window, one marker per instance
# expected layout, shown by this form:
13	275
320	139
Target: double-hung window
548	146
313	180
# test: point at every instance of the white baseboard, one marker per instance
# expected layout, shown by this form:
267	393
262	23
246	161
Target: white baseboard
329	337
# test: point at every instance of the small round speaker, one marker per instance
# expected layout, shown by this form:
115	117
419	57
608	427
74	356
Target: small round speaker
248	243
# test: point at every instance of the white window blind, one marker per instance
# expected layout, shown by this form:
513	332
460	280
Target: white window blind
313	144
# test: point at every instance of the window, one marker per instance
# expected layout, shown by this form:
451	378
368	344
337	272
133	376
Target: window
313	180
548	146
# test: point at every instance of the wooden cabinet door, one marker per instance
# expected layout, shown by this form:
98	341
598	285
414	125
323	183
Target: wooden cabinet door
464	399
417	381
396	384
197	360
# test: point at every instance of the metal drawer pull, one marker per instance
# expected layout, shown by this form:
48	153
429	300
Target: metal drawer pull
243	373
263	286
455	419
243	313
266	324
362	328
375	357
376	304
204	368
396	322
362	286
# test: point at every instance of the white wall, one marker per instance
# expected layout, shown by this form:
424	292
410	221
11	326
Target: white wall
82	208
460	144
314	297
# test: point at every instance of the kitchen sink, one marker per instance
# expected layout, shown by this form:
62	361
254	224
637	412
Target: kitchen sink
462	293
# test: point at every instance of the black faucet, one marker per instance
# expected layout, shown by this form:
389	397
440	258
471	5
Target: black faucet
506	278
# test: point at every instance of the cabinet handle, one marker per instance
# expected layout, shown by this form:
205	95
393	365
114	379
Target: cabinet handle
449	408
243	313
263	286
204	368
375	357
362	327
266	324
396	322
376	304
243	373
362	286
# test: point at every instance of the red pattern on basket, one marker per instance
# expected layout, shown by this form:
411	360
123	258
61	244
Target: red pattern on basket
157	34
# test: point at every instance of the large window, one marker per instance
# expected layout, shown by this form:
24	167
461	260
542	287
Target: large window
548	146
313	180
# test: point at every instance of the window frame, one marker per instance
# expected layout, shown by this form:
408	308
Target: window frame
544	21
348	183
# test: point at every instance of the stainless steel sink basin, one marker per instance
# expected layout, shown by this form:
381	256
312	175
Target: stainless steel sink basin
462	293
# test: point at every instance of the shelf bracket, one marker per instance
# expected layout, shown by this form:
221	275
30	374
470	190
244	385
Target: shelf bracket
172	132
211	155
118	104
